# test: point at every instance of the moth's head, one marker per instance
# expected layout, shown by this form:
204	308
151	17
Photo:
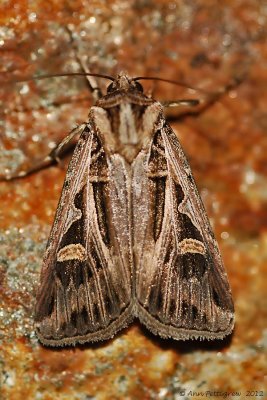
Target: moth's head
125	83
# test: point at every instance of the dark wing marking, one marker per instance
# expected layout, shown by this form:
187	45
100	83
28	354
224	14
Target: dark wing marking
181	286
85	291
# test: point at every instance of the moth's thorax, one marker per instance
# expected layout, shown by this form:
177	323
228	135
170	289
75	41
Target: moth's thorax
126	120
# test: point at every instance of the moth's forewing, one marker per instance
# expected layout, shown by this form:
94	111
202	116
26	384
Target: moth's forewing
86	290
181	285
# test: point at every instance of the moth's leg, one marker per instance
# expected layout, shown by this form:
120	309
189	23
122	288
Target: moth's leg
53	157
194	106
190	106
208	99
182	102
55	153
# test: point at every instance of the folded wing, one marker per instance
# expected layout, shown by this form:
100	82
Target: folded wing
181	286
86	290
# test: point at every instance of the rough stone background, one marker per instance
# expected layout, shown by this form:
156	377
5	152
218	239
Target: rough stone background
204	43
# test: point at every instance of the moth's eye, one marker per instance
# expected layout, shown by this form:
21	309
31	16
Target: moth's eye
110	88
139	87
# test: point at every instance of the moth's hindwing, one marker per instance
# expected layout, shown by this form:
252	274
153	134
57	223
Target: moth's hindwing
86	288
182	289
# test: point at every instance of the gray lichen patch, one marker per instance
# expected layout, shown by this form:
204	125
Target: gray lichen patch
20	259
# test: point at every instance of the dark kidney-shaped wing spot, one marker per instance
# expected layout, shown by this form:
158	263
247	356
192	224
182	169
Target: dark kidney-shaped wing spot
191	265
71	269
62	270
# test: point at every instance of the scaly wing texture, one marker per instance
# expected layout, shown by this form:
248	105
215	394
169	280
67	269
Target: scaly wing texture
86	290
181	286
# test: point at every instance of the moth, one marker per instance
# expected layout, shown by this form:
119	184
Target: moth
131	238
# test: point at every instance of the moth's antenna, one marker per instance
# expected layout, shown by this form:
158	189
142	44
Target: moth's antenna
235	81
37	78
178	83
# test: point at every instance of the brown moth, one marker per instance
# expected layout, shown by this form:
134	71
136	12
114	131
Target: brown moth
131	237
